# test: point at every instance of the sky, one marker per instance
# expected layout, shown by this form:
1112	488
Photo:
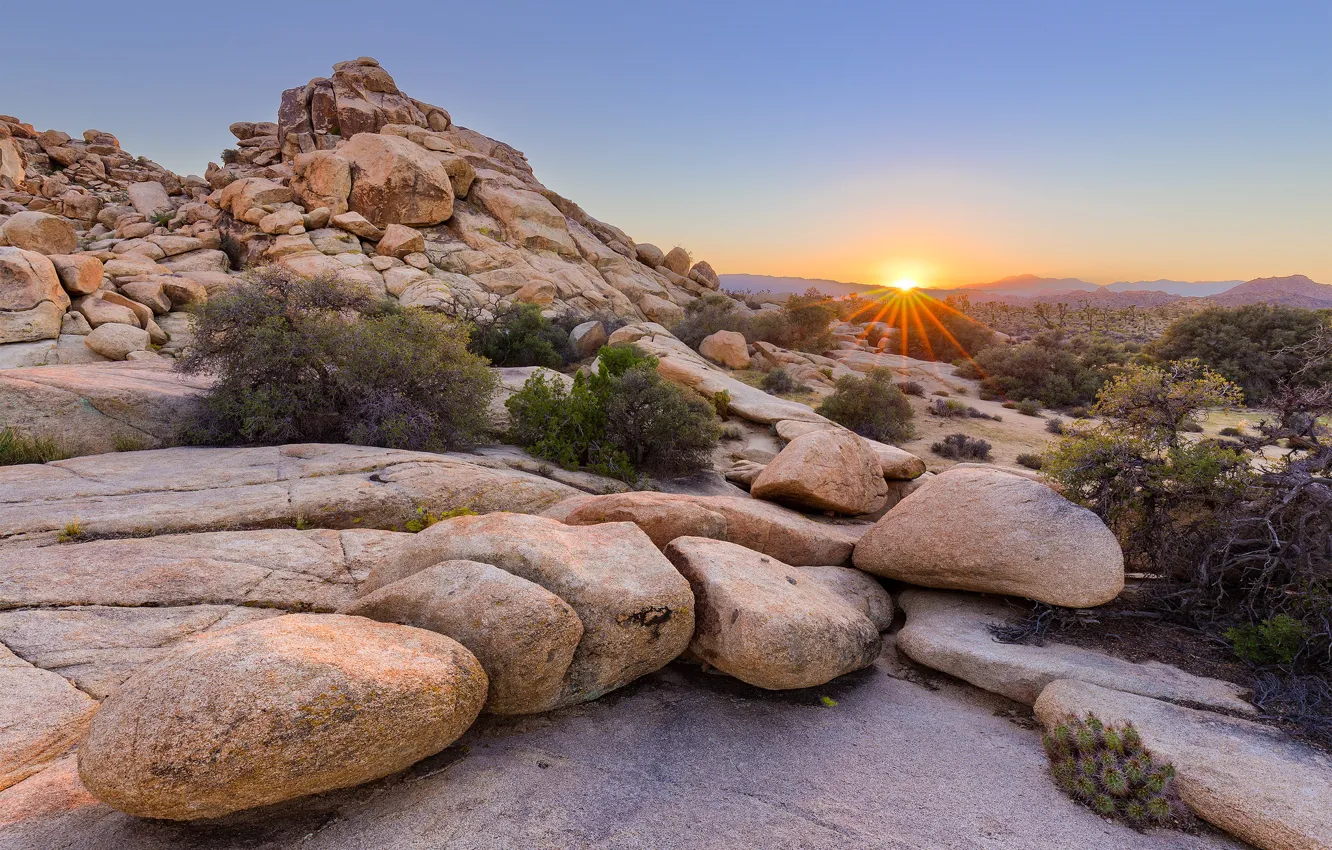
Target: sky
948	142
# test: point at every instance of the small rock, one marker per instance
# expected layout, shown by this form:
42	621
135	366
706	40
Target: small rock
588	338
80	274
354	222
677	260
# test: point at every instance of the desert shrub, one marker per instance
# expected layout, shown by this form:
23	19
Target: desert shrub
1277	640
962	447
871	406
17	448
425	518
704	316
298	360
1055	425
1078	411
803	323
912	388
1030	461
1230	431
926	328
622	421
518	335
1191	426
947	408
779	381
1256	347
1108	770
1029	407
1048	370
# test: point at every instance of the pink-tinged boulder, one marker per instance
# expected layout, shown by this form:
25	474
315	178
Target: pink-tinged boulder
523	635
40	232
399	241
703	275
677	260
41	716
727	348
323	179
766	623
277	709
397	182
80	274
993	532
31	298
857	589
637	612
830	470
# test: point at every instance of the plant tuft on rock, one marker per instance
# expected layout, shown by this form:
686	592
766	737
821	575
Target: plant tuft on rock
1108	770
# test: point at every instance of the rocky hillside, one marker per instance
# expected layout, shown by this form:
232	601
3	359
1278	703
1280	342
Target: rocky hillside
355	181
1293	291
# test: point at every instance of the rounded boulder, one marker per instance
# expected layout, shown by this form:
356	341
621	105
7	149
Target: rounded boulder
829	470
278	709
40	232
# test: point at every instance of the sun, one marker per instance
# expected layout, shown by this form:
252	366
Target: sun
904	284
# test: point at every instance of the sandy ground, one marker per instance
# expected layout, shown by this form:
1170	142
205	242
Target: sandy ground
683	759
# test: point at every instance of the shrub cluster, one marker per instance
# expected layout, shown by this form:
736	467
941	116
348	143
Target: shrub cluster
962	447
779	381
298	360
622	421
802	323
1049	370
1108	770
871	406
947	408
16	448
518	335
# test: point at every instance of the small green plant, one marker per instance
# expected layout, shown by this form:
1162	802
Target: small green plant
1107	769
828	701
721	403
731	433
16	448
162	218
72	531
948	408
871	406
962	447
128	443
1231	431
1029	407
424	518
779	382
1277	640
1030	461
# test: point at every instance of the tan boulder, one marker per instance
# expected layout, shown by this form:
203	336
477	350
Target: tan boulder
649	255
523	635
148	197
31	298
142	312
41	716
357	224
183	291
204	260
249	716
637	612
80	274
536	292
281	221
989	531
530	219
115	341
40	232
662	516
727	348
11	163
98	311
767	624
702	274
399	241
149	293
588	338
830	470
132	265
322	179
896	464
248	193
397	182
857	589
1251	780
677	260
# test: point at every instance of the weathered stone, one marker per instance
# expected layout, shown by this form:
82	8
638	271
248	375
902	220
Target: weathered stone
248	193
148	293
281	221
952	632
183	291
588	338
43	716
114	340
204	260
354	222
677	260
246	717
80	274
637	611
523	635
1248	779
985	530
727	348
31	299
703	274
530	219
323	179
896	464
98	311
649	255
149	197
857	589
830	470
397	182
766	624
40	232
399	241
132	265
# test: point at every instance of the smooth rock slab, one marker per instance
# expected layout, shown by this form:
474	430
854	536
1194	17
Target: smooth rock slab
637	611
1250	780
992	532
950	632
523	635
41	716
278	709
767	624
857	589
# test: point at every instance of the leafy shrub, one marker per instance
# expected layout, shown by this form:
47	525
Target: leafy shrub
16	448
425	518
1256	347
1048	370
871	406
1108	770
912	388
1230	431
299	360
622	421
952	409
519	335
1029	407
1054	425
704	316
779	381
962	447
1030	461
1274	641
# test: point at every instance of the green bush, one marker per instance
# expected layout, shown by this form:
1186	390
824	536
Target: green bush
1108	770
1048	370
1055	425
1277	640
871	406
912	388
519	335
779	381
704	316
17	448
622	421
299	360
1030	461
962	447
1029	407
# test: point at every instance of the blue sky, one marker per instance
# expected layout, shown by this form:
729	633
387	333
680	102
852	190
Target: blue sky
949	141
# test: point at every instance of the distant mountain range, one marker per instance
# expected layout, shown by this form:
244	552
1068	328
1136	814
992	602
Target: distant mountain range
1292	291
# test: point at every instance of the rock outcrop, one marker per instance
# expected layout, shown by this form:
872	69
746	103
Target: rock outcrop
825	470
249	716
989	531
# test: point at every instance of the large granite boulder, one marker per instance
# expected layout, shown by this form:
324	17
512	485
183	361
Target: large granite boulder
395	181
857	589
41	716
278	709
826	470
993	532
727	348
636	610
523	635
31	298
765	622
40	232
